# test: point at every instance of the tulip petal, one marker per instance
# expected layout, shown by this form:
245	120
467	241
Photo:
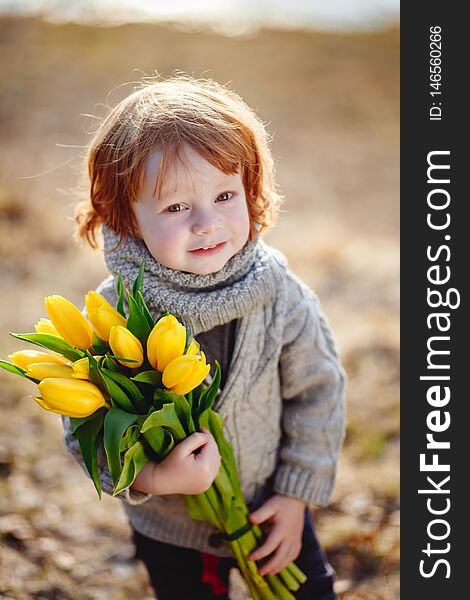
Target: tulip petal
124	343
71	397
185	373
166	342
46	326
178	370
81	368
41	403
69	321
102	315
193	347
44	370
23	358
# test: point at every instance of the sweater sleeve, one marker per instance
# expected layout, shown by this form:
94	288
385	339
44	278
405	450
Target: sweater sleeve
106	288
313	383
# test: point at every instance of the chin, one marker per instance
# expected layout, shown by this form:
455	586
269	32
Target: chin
209	269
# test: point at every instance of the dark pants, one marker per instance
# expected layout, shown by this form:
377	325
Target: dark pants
177	573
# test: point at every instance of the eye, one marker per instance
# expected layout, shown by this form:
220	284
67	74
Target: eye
175	208
225	196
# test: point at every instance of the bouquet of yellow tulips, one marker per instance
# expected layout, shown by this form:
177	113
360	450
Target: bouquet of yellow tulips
137	387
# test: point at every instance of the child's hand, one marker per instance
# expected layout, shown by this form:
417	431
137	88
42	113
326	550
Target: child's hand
284	539
182	471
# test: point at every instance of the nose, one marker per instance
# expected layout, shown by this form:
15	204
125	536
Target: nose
206	223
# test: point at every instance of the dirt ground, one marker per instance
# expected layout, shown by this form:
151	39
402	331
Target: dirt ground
331	104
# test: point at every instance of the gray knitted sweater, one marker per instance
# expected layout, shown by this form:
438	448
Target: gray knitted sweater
283	399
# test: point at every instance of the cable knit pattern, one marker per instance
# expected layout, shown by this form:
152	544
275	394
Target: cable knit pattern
283	399
249	278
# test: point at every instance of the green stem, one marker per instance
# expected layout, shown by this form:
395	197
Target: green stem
297	573
289	579
282	593
256	583
225	508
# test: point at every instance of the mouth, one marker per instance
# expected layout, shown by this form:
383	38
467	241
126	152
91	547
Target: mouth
208	250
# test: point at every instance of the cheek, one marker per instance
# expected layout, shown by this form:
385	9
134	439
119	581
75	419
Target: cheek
242	222
160	240
167	241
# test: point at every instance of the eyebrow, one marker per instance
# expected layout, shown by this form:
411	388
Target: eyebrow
165	195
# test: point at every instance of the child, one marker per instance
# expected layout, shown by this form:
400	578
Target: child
181	175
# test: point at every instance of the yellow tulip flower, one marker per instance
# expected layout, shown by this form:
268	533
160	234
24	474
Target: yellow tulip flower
46	326
81	367
69	321
103	319
24	358
193	347
70	397
43	370
102	315
185	373
124	343
165	342
94	300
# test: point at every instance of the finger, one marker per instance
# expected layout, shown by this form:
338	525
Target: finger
192	443
263	513
210	443
271	543
210	449
277	562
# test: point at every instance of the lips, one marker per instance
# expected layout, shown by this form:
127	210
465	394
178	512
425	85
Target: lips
207	247
207	250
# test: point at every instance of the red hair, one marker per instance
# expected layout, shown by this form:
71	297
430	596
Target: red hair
164	115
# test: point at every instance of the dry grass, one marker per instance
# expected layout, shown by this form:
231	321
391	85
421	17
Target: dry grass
332	104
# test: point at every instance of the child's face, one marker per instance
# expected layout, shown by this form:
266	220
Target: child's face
200	220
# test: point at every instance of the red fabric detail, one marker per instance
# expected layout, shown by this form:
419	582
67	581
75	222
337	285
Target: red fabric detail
210	574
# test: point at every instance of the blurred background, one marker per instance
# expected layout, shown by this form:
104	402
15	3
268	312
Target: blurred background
325	78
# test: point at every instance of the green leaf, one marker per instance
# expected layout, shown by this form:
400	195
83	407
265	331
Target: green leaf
120	291
208	395
130	437
195	507
87	435
8	366
115	424
158	399
134	460
94	374
137	323
51	342
99	345
124	358
182	408
139	280
107	362
153	377
118	396
215	424
144	309
166	417
75	422
130	388
160	440
197	393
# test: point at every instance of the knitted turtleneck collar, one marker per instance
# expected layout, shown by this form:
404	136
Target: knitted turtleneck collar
246	282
